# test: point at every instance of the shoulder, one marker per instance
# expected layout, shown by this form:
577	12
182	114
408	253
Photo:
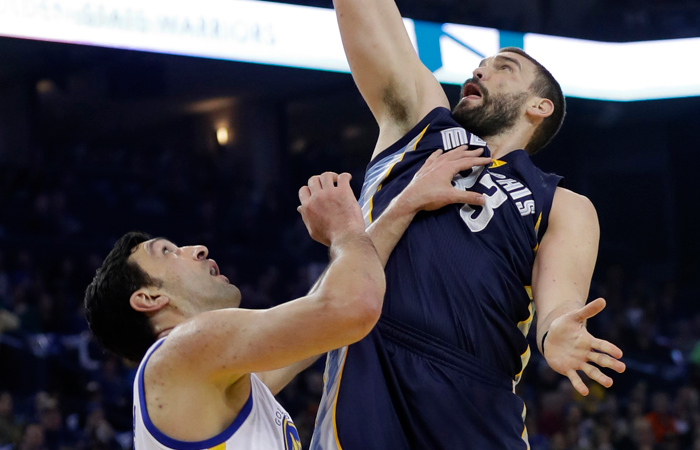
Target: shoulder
570	208
192	347
566	199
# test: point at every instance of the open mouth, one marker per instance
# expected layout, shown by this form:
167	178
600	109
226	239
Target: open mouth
471	91
214	270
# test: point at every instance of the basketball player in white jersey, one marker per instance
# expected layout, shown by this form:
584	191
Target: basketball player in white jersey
209	369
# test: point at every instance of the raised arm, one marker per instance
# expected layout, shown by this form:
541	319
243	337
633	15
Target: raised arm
226	344
430	189
560	282
396	85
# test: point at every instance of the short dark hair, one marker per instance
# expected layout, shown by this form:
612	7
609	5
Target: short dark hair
115	324
545	86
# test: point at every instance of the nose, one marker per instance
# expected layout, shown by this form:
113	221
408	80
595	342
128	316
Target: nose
480	73
200	252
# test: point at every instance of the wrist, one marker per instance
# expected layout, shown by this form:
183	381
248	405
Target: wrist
348	239
403	206
544	337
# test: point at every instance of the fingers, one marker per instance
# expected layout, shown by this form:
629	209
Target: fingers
304	194
604	360
314	184
591	309
463	151
469	162
595	374
433	157
344	179
607	347
577	383
328	179
468	197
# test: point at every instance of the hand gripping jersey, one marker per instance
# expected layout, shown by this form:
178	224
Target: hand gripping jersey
262	424
440	368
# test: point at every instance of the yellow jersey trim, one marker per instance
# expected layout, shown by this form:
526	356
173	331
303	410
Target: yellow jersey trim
371	203
537	225
335	403
524	435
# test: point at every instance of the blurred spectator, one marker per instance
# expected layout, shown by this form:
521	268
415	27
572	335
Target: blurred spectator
662	421
10	429
99	433
8	321
32	438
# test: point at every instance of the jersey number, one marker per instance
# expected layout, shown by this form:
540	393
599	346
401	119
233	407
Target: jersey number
477	220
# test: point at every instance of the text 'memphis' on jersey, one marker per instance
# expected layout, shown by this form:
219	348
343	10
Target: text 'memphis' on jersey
458	295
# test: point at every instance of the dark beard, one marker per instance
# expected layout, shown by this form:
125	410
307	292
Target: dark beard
497	114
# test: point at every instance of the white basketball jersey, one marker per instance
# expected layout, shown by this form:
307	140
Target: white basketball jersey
262	424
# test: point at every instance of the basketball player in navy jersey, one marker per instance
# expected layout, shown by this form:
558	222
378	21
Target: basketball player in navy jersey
440	368
209	369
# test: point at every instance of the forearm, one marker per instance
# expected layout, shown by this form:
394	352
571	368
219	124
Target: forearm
565	260
396	85
353	269
386	231
354	272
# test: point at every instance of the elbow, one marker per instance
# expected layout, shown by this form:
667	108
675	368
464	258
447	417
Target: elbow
370	302
356	311
366	308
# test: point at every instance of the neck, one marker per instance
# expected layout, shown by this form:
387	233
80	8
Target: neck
165	321
508	141
164	332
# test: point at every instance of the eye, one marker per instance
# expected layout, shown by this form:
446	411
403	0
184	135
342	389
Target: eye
506	67
165	250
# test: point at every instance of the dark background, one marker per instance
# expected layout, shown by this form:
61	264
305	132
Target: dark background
95	142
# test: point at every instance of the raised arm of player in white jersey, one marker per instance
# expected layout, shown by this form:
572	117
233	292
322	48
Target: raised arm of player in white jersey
429	190
222	345
396	85
560	282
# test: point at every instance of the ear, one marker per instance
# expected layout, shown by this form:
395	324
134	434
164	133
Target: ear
540	108
145	300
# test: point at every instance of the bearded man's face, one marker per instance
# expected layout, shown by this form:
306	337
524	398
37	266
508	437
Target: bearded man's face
487	114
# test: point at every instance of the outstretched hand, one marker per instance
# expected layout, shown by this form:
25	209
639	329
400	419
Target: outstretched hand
431	187
569	347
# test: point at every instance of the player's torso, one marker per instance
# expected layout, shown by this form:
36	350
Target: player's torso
451	341
262	424
462	274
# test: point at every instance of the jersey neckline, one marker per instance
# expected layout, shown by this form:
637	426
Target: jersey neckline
421	125
176	444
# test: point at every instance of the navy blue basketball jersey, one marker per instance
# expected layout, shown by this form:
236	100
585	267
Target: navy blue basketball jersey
439	369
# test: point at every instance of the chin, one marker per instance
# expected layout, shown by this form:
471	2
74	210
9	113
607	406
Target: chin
236	297
466	105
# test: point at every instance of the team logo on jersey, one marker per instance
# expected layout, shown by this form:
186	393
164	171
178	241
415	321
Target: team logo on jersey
291	435
453	138
456	137
477	141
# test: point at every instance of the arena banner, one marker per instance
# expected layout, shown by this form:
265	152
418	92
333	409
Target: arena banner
306	37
